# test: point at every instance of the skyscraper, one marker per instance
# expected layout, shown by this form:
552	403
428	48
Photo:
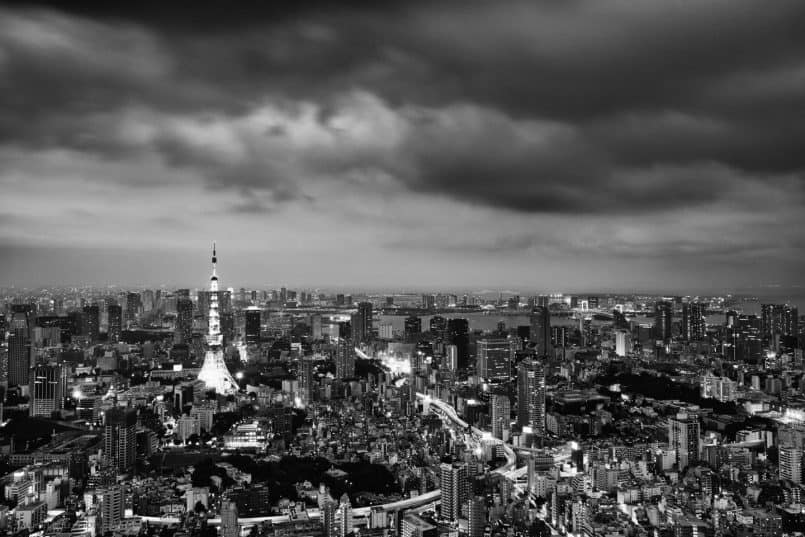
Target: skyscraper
362	323
345	515
693	323
19	350
111	507
790	457
438	325
115	322
500	411
663	317
184	320
214	372
252	326
495	358
47	389
328	512
413	328
344	359
531	396
683	436
229	519
623	342
119	440
476	516
134	306
452	478
458	333
92	322
306	381
541	330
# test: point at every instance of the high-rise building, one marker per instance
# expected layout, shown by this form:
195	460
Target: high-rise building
328	520
345	515
344	359
48	383
500	410
531	396
495	358
110	508
306	381
790	457
119	437
541	330
453	484
413	328
92	322
184	320
789	325
694	327
458	333
623	342
315	326
134	305
229	519
438	325
362	323
114	315
683	436
476	516
663	318
252	326
19	351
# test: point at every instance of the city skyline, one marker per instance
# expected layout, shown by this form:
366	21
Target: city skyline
578	147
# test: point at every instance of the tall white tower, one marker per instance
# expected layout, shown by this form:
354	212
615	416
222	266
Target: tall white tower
214	372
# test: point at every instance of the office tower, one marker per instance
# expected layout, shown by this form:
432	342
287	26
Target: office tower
531	396
19	346
184	320
345	509
458	333
252	326
229	519
306	381
19	355
663	317
500	410
428	302
328	520
119	440
495	358
344	360
92	322
214	372
694	327
115	322
413	328
683	436
789	324
790	457
623	342
134	306
111	508
315	326
453	484
362	323
438	326
541	330
48	383
577	458
476	516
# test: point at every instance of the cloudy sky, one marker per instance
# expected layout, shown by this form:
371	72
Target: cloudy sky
574	145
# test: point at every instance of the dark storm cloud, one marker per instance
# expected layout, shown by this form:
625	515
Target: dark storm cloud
573	107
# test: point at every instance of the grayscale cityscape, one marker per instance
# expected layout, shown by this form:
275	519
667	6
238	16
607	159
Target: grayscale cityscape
446	268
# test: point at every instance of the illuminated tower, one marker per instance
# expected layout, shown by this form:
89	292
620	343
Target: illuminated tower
214	372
